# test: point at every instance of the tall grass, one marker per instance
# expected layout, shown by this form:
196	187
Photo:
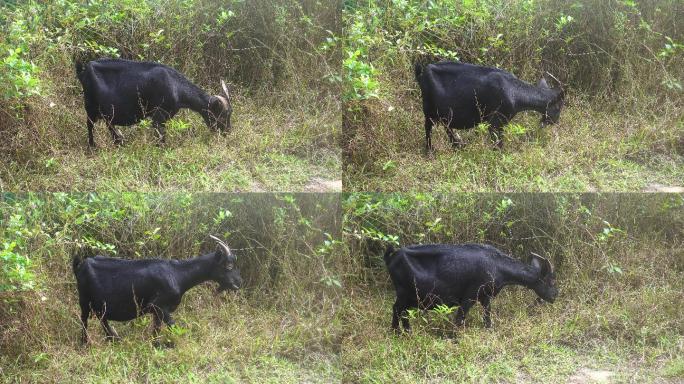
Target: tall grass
619	262
617	60
279	58
280	326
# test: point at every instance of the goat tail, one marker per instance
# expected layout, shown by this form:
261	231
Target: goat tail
80	68
75	262
80	254
388	254
418	70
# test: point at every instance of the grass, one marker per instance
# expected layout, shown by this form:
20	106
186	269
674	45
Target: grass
621	128
589	150
627	325
272	146
281	326
225	339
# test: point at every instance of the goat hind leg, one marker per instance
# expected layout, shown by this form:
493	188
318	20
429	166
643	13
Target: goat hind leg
395	317
91	139
85	313
428	135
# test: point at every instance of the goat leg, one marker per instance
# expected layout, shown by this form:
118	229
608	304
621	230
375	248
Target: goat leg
116	134
161	316
462	312
396	312
160	128
428	135
85	313
487	317
111	333
496	134
454	138
91	139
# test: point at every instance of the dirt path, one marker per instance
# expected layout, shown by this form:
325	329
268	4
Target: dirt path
655	187
318	184
587	376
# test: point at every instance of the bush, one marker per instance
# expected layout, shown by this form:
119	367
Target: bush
589	46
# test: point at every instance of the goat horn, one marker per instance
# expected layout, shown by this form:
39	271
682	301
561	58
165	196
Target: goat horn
555	78
221	243
543	258
225	89
224	101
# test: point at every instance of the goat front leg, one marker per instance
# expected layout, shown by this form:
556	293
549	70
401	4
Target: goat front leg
454	138
160	129
462	311
116	134
496	132
161	316
111	332
487	317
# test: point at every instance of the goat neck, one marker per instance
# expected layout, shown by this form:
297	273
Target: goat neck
527	97
196	99
515	272
192	272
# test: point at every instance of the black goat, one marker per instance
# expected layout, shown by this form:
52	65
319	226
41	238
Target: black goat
461	95
425	276
123	92
121	290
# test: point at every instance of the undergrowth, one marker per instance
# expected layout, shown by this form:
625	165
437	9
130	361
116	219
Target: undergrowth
621	128
280	327
618	261
278	58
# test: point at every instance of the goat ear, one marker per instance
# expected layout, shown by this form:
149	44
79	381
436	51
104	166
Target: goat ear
219	255
541	264
542	83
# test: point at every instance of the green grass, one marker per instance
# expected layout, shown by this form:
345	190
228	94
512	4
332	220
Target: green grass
619	267
625	333
271	147
227	339
589	150
281	326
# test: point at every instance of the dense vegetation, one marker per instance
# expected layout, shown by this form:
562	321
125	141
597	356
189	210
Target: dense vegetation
619	62
316	303
619	260
278	56
280	327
